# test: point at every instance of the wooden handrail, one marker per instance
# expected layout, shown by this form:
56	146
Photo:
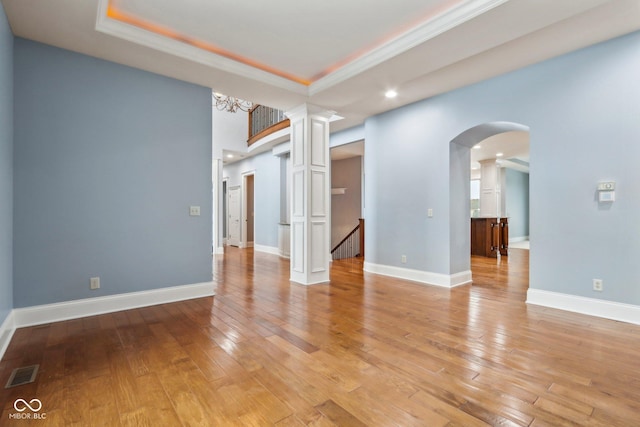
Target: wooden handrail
264	121
359	227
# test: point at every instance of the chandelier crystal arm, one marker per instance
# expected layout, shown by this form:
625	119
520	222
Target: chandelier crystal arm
230	103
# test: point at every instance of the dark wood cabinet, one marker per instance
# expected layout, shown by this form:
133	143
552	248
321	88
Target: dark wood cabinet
489	237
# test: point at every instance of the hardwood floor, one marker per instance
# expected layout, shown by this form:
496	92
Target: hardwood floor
362	350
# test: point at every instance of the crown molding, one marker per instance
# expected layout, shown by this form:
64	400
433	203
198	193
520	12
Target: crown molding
155	41
426	31
453	17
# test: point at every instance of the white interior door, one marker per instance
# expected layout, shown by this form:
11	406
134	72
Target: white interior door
234	217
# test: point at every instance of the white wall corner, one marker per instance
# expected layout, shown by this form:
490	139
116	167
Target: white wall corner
6	333
589	306
424	277
41	314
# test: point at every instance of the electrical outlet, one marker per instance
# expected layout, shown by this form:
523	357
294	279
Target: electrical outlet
430	213
94	283
597	285
194	210
404	259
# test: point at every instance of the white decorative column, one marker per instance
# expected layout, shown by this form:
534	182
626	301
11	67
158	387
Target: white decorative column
492	197
218	217
310	194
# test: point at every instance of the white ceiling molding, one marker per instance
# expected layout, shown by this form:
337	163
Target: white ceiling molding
485	38
453	17
143	37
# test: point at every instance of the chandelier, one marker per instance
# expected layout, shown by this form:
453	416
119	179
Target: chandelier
230	103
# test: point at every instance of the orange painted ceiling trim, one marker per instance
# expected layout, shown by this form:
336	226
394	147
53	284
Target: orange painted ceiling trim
114	13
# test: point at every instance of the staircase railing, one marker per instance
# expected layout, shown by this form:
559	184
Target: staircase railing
264	121
352	245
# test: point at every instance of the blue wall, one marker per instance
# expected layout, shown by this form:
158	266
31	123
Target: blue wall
346	136
107	161
346	209
406	169
267	199
266	168
6	167
517	200
582	109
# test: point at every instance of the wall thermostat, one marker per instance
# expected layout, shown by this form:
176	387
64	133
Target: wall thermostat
606	191
607	196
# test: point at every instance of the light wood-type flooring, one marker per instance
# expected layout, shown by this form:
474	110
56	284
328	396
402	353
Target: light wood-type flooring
362	350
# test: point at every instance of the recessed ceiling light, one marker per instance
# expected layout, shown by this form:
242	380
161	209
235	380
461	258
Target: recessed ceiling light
229	156
499	154
391	93
477	146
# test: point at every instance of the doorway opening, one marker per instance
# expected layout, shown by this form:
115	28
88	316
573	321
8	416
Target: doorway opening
225	211
233	219
248	210
347	183
490	197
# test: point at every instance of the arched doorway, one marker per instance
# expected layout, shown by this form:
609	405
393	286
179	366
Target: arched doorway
459	182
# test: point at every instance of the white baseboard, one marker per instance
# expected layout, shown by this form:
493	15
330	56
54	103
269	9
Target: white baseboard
590	306
426	277
219	250
41	314
518	239
266	249
6	333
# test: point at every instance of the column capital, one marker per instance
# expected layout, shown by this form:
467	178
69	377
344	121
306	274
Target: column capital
306	109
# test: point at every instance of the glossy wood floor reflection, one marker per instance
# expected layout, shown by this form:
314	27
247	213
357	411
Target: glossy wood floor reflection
362	350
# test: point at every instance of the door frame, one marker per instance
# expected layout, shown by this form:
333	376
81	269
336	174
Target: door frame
225	210
229	190
244	194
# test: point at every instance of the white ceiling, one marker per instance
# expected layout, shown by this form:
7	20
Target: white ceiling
347	151
512	145
341	55
273	36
